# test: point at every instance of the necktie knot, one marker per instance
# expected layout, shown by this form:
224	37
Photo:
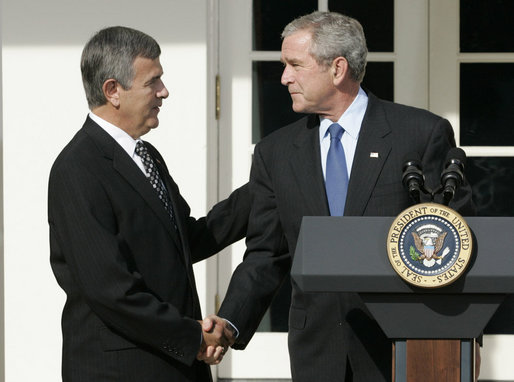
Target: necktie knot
336	131
141	148
155	179
142	152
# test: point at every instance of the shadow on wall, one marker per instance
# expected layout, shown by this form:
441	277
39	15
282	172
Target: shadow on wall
71	22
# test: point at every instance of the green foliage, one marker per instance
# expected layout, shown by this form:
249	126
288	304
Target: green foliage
413	254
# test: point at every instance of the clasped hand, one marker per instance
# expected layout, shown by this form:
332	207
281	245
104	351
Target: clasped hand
218	335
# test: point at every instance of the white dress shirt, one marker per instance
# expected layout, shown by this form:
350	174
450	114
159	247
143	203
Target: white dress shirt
124	140
351	122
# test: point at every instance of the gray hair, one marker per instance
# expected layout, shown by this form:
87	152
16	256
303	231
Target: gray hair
333	35
110	53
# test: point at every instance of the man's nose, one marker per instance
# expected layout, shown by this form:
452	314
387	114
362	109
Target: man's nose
286	76
163	93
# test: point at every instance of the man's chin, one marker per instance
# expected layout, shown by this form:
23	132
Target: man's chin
298	108
153	124
149	127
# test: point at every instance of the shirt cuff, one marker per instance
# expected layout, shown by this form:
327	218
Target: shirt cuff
234	329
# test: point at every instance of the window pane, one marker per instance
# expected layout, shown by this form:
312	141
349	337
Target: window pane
270	18
379	79
376	17
486	112
486	26
492	180
271	102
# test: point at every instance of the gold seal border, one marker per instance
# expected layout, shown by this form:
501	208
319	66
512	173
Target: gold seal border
437	211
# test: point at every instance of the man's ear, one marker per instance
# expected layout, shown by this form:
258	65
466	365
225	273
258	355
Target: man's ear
340	70
111	89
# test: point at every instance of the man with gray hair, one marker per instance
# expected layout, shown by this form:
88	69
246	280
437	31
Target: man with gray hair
122	239
343	158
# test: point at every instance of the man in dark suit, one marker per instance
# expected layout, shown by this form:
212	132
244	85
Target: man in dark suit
332	336
121	236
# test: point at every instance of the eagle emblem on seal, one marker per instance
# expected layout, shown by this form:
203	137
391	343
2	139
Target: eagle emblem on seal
429	241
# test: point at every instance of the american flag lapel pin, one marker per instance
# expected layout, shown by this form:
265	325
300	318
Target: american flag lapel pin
373	154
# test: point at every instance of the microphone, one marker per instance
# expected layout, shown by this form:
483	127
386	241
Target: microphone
413	179
453	174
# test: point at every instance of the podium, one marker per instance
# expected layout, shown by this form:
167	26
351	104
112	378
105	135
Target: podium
432	330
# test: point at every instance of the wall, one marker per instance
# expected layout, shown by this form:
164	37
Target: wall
43	106
1	216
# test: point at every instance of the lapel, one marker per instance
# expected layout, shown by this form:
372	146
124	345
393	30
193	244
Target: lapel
126	167
374	137
305	163
174	195
180	217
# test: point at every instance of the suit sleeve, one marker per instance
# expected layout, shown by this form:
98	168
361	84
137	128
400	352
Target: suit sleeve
440	142
266	261
225	224
92	265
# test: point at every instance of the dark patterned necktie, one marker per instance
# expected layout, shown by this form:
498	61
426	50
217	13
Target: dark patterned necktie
155	179
336	183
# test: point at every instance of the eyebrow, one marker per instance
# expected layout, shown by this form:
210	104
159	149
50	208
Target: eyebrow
153	79
290	61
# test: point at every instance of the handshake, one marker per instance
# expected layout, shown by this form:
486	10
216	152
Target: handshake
218	335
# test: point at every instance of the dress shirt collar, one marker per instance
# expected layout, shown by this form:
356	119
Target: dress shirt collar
124	140
351	119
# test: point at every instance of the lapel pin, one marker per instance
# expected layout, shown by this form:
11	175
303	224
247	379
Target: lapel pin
373	155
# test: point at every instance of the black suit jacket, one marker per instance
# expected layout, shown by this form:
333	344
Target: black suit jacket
132	305
328	329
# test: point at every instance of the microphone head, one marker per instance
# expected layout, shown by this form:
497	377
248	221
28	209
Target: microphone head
411	159
453	174
456	156
412	177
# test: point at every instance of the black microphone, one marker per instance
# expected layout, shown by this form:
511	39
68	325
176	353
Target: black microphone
413	179
453	174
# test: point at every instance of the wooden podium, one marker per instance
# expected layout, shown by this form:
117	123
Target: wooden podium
432	330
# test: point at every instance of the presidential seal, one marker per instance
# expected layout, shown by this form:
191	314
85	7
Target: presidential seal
429	245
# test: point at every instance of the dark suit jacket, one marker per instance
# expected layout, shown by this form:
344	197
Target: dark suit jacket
326	330
132	304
